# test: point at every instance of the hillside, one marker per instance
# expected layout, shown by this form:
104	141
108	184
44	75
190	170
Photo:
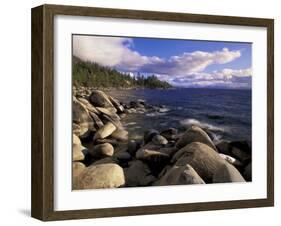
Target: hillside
94	75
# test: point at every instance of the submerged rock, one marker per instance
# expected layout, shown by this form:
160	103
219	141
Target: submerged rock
149	134
159	140
170	134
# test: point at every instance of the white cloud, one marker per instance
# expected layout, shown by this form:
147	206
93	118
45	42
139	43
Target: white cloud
194	62
110	51
229	78
118	52
186	69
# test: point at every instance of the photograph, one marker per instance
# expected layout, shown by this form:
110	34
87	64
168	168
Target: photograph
159	112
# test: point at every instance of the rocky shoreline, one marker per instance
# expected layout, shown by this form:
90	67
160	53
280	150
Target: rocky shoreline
104	156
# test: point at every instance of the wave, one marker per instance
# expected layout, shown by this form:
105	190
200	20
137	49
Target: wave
191	122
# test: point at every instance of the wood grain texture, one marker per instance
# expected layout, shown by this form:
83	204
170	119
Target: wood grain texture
43	107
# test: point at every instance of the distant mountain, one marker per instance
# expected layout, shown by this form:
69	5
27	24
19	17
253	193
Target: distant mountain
94	75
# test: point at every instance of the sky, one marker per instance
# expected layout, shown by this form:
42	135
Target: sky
182	63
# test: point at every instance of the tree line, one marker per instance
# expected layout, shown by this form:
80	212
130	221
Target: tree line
91	74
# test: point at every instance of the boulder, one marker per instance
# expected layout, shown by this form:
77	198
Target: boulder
242	155
105	131
123	156
80	113
160	140
224	147
180	175
116	123
81	117
201	157
248	172
107	175
76	129
120	134
77	168
168	150
109	112
105	160
113	142
116	104
75	140
100	99
77	152
149	134
227	173
243	145
133	146
151	153
102	150
195	134
170	134
138	174
96	120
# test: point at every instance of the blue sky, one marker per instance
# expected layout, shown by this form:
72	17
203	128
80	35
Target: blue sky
183	63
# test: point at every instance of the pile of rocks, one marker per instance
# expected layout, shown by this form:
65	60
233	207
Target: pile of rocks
104	157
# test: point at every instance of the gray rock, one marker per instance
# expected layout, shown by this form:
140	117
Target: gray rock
240	154
201	157
180	175
105	131
109	112
100	99
123	156
96	119
133	146
170	133
195	134
138	174
102	150
149	134
116	123
160	140
116	104
227	173
101	176
224	147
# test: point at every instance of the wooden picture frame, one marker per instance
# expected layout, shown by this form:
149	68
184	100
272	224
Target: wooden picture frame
43	111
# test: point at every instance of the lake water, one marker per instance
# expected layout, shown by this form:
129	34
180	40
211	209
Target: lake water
225	114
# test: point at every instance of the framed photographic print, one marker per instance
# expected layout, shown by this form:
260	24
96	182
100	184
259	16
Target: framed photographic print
141	112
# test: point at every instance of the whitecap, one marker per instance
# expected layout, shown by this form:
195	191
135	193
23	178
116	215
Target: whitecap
163	110
191	122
